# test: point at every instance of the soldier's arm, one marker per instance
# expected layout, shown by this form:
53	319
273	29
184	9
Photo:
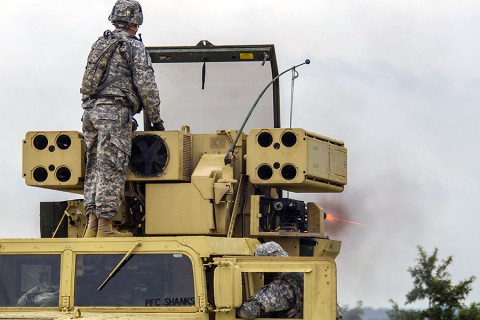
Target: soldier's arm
144	81
278	295
250	310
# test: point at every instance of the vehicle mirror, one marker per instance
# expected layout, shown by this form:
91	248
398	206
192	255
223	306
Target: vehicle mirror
228	286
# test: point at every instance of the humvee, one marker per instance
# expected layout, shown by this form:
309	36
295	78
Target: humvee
199	200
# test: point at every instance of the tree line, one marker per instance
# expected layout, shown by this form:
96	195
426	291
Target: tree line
432	283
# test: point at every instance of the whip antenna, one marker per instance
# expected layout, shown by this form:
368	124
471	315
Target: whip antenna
292	89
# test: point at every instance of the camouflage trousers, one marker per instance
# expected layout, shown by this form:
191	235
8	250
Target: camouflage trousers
107	132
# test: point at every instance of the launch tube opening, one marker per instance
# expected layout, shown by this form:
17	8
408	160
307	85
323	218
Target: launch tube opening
265	172
40	174
40	142
289	139
265	139
63	174
63	142
289	172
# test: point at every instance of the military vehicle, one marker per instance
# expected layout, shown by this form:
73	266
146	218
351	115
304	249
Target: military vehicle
199	199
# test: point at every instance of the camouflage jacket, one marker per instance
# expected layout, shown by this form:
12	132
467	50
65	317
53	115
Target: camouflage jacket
138	86
281	298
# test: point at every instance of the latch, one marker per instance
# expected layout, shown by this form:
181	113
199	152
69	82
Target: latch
65	303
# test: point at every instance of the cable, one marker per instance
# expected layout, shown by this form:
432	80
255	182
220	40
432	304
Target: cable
292	89
228	158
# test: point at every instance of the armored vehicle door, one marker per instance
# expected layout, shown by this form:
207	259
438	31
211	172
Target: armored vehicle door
249	274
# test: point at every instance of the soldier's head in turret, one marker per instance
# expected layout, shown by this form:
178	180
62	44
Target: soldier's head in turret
127	14
270	249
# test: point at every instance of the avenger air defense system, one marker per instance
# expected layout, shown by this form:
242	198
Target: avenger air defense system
199	200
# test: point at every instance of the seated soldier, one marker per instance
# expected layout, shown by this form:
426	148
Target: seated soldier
280	298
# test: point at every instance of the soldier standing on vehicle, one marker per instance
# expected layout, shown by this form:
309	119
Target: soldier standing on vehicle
281	298
118	82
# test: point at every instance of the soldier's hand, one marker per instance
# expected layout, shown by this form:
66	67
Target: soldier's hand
159	126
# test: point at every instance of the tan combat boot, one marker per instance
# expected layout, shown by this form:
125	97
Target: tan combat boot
105	229
92	226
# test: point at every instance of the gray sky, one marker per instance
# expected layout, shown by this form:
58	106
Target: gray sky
398	81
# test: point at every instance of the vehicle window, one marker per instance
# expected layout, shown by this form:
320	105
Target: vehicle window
29	280
144	280
229	91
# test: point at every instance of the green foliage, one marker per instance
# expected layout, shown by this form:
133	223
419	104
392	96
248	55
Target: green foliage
432	282
399	314
471	312
355	313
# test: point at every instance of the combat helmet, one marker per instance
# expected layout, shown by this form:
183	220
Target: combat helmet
126	12
270	249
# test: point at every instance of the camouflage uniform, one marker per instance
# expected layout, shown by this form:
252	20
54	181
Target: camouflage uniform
107	123
281	298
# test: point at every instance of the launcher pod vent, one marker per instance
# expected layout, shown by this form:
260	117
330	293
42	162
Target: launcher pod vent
161	156
149	156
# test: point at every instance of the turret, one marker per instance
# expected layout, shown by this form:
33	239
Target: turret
178	182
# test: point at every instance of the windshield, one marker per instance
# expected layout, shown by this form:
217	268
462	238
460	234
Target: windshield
29	280
212	88
229	91
145	280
